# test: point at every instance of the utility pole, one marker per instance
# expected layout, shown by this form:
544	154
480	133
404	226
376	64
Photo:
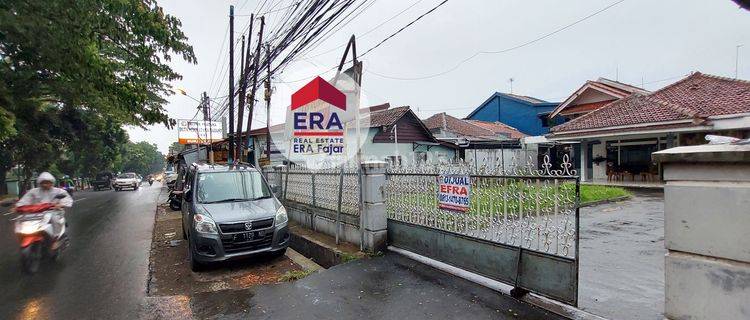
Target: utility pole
256	63
231	153
240	102
204	106
206	102
737	60
511	85
243	90
268	102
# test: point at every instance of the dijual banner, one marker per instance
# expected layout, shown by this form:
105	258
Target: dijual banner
454	192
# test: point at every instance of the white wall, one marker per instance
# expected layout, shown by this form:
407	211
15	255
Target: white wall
599	169
507	159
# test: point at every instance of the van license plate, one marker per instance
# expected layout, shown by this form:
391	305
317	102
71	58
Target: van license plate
243	236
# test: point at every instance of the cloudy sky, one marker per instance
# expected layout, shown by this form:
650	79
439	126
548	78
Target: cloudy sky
635	41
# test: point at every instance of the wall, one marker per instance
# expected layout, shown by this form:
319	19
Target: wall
507	159
409	129
599	169
517	114
380	151
707	231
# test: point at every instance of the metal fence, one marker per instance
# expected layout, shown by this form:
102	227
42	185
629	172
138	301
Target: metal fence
530	212
323	188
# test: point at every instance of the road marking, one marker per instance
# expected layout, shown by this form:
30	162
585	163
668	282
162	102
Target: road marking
7	213
81	199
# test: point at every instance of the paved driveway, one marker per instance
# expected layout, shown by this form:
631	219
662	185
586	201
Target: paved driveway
622	258
387	287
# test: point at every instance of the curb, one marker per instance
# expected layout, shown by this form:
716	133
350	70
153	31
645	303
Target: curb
302	261
598	202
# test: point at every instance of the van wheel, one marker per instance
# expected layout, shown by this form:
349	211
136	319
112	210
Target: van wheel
279	253
195	266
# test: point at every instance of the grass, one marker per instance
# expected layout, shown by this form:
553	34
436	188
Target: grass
593	193
494	196
295	275
346	257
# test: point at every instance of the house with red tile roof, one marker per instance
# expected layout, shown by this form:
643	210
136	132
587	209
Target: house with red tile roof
482	143
390	134
397	135
592	95
617	138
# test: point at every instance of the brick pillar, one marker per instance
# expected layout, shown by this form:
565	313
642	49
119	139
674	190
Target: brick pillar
707	231
373	220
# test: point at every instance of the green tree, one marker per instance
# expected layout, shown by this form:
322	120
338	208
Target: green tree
142	158
98	61
176	148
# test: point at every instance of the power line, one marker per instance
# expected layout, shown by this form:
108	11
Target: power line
500	51
404	27
386	39
305	27
369	31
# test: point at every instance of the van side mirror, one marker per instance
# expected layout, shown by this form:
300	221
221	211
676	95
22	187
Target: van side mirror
60	196
188	196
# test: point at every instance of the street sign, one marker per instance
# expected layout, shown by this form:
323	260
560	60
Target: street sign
199	131
454	192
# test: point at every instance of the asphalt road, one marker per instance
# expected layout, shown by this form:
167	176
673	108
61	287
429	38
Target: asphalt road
104	272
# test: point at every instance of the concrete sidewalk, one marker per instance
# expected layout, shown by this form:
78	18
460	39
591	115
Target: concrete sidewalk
386	287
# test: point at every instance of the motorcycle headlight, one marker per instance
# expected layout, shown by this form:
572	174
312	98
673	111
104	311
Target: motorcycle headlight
204	224
29	227
281	217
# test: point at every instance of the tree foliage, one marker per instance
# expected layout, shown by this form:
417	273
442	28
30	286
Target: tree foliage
107	55
72	73
142	158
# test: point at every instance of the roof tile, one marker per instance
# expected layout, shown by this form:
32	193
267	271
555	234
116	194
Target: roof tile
696	96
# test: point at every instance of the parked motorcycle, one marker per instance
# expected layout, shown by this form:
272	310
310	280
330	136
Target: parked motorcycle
175	199
37	236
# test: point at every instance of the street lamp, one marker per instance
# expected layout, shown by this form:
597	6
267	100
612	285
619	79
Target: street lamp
178	90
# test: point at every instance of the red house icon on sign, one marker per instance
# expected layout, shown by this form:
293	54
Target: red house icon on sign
319	89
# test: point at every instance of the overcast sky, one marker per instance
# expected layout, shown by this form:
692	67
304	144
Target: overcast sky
635	41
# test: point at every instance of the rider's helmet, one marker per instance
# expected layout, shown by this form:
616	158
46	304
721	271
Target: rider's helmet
45	176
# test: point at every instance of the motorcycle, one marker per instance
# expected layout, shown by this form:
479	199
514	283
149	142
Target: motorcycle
36	234
175	200
150	181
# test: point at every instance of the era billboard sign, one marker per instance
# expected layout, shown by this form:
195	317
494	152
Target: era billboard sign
198	131
454	192
318	115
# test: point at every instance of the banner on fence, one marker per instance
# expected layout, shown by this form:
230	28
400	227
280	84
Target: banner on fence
454	192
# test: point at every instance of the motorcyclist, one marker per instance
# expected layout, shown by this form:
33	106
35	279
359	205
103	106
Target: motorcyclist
46	193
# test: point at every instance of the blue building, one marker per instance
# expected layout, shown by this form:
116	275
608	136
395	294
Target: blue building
527	114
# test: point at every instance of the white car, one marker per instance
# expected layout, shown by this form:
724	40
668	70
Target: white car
127	180
170	177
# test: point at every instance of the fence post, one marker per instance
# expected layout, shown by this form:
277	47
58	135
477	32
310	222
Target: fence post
373	220
278	170
706	231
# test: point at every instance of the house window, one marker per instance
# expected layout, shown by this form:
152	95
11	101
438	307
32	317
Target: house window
393	160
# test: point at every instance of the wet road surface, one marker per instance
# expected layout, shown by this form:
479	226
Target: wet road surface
622	258
103	273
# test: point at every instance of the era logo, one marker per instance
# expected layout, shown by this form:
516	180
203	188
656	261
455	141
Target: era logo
314	120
